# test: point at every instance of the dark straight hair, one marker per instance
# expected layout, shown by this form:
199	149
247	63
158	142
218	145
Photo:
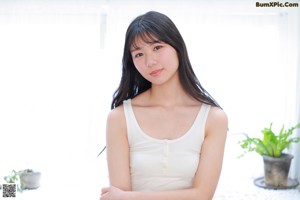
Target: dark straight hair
149	27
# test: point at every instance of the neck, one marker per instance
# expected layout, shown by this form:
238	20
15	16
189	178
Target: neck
168	95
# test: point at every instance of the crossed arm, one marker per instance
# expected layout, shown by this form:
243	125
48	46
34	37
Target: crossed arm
206	177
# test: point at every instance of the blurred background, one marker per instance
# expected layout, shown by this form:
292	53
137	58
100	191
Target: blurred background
60	62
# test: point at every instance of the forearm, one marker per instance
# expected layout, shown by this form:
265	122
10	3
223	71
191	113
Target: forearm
186	194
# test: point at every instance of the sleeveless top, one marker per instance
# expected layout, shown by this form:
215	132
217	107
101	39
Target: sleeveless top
162	165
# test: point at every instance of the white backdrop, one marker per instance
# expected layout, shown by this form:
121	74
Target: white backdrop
60	62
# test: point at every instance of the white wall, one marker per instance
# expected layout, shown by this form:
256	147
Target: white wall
54	87
60	64
295	170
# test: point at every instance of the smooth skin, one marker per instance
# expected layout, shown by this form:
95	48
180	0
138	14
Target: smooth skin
165	111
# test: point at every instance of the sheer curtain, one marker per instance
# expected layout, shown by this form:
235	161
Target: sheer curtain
54	91
61	62
292	32
295	171
245	56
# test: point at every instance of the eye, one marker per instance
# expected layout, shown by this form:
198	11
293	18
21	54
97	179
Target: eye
138	55
157	47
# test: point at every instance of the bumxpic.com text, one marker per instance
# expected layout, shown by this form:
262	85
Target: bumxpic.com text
277	4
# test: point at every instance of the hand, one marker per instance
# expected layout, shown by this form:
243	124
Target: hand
111	193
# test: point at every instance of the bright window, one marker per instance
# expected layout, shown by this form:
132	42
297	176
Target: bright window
61	61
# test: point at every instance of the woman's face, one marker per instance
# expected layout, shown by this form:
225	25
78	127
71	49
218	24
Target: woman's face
156	61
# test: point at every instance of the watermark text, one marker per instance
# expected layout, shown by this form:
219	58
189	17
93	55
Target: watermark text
277	4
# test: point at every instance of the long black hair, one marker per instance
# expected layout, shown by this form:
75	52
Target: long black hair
149	27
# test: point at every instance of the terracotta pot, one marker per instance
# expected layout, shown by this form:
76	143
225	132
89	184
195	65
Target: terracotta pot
276	170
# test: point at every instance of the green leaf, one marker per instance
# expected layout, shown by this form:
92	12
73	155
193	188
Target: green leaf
270	144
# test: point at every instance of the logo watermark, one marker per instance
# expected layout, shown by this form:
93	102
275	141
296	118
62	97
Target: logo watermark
9	190
277	4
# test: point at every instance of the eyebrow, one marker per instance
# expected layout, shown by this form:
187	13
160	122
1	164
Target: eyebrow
136	48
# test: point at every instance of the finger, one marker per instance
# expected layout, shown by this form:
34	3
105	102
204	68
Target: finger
104	196
104	190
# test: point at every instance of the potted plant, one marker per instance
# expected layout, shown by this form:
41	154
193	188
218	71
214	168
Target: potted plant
13	178
276	163
28	179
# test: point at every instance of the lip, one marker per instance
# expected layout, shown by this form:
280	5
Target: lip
156	72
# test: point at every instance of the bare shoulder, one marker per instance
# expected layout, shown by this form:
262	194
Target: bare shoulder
217	120
116	114
116	120
218	115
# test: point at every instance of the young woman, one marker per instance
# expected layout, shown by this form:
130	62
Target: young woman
165	133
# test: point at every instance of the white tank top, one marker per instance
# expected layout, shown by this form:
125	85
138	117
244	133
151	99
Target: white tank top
161	165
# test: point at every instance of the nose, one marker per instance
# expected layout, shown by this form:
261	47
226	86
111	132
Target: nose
151	60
